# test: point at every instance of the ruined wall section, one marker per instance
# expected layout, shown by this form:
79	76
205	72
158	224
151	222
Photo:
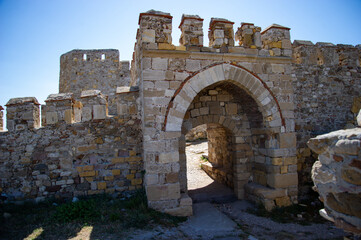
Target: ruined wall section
82	70
80	150
327	88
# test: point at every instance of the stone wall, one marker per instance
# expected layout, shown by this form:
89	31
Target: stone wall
327	87
71	156
337	176
197	133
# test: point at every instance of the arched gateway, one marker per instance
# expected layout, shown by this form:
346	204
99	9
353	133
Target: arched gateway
239	109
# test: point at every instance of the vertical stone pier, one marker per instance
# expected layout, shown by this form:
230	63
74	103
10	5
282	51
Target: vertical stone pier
276	38
191	27
221	33
22	114
59	107
249	36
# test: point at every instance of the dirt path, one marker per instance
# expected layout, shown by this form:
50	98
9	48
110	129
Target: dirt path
202	188
197	178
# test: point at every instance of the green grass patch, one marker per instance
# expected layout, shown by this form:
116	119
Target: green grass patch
204	158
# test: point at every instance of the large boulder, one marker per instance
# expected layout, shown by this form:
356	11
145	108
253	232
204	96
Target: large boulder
337	177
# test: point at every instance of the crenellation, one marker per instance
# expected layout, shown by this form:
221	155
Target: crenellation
94	105
325	54
276	39
220	33
59	107
155	27
191	27
22	114
249	36
127	101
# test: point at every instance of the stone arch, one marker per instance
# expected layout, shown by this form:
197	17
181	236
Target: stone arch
241	77
266	161
229	113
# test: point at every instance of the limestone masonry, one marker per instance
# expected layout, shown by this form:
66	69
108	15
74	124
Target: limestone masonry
112	128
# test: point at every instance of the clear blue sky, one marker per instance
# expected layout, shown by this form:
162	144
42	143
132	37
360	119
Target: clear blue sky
34	33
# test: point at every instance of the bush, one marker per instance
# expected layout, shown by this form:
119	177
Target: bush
84	210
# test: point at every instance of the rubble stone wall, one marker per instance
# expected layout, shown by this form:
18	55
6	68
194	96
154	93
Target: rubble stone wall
71	156
327	96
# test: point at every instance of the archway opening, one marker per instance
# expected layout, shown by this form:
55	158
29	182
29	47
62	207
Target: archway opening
235	132
209	164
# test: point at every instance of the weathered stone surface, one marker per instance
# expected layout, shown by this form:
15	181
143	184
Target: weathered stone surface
282	180
337	177
163	192
352	176
359	118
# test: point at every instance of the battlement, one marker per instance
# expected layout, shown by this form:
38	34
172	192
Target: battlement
155	29
321	53
91	55
24	113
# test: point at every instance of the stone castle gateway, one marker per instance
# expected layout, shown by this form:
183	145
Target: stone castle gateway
112	129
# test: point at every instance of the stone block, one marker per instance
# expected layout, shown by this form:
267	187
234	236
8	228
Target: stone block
102	185
166	46
136	181
148	35
282	180
151	179
185	200
183	211
204	111
163	192
159	64
169	157
231	108
264	192
99	111
87	174
68	116
283	201
86	114
172	177
193	65
287	140
51	117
